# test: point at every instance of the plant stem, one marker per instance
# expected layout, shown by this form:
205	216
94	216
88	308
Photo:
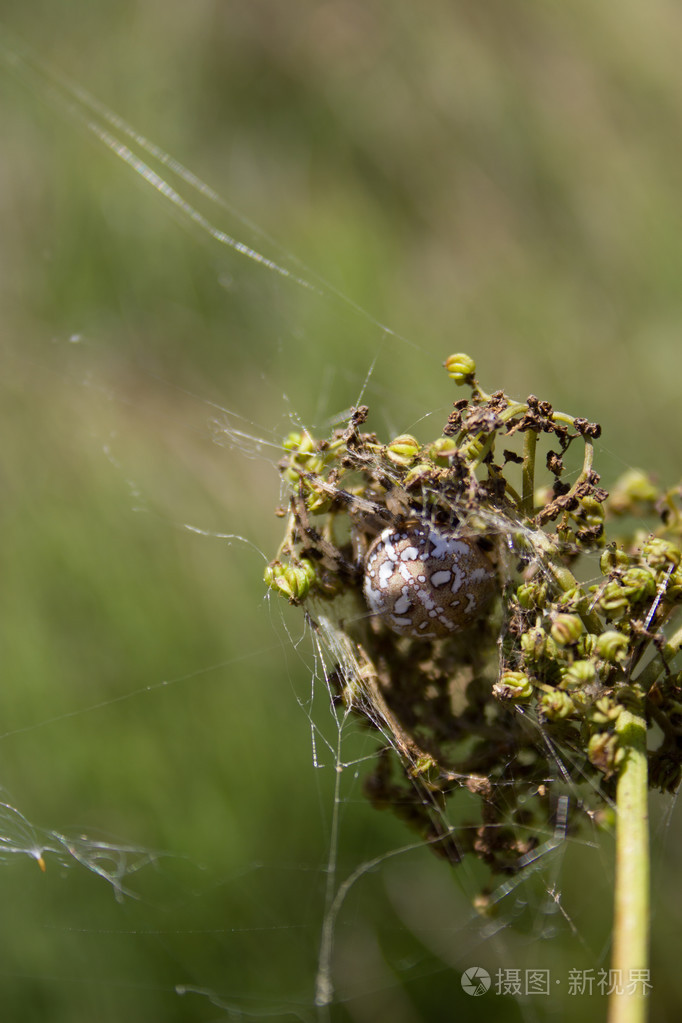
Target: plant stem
631	902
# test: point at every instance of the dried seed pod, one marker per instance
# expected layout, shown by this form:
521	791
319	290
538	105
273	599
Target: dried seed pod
425	581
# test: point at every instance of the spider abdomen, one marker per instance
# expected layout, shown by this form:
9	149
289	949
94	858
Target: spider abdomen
425	581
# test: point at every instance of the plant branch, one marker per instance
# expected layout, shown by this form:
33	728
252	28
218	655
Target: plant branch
631	902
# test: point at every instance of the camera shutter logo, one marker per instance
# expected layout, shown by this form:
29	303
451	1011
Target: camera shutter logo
475	980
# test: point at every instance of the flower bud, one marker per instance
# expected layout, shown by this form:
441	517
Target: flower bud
566	629
661	553
317	502
571	599
613	558
536	643
472	448
612	600
461	368
578	675
403	450
418	474
543	496
300	442
633	488
605	710
292	580
612	646
532	594
586	644
639	583
556	706
513	685
591	511
605	819
423	765
441	450
604	753
673	591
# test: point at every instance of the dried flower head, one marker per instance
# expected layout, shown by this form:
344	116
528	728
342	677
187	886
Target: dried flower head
450	569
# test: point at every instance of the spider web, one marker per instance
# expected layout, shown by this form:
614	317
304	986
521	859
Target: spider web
280	893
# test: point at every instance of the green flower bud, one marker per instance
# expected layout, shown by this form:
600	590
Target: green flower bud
533	594
461	368
603	752
292	580
586	645
571	599
441	450
578	675
513	685
317	503
591	511
566	629
424	764
311	463
639	583
556	706
303	456
634	487
612	646
612	599
661	553
605	819
673	591
613	558
299	441
403	450
605	710
542	496
472	448
536	643
419	473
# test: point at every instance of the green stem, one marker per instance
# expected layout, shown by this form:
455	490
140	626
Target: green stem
631	901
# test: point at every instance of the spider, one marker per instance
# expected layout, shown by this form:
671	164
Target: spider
420	573
423	543
426	582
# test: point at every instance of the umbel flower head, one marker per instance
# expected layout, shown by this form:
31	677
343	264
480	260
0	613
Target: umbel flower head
501	608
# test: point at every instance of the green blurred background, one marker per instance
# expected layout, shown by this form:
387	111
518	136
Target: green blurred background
501	179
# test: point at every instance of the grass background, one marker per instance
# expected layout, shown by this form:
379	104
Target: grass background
499	179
